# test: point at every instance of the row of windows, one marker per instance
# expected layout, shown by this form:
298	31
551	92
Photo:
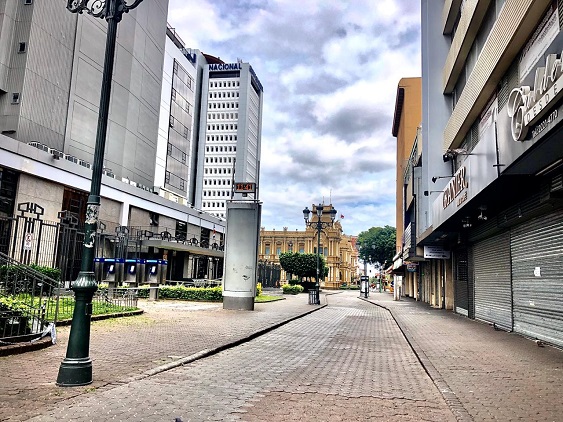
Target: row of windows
217	193
223	105
181	101
222	127
224	84
213	204
290	248
174	180
180	128
218	160
211	138
213	116
176	153
218	171
183	75
223	94
220	149
217	182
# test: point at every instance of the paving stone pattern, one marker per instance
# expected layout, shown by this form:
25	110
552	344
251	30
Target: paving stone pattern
348	361
125	348
494	375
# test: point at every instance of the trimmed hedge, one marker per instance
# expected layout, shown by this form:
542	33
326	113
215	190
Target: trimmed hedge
207	294
292	290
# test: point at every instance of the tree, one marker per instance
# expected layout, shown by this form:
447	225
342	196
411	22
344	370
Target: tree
302	264
378	244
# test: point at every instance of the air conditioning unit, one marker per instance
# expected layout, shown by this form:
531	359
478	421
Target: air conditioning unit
84	163
71	158
108	172
39	145
55	153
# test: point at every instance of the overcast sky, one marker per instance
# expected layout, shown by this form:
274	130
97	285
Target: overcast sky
330	71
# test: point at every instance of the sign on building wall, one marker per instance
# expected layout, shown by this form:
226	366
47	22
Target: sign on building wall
436	252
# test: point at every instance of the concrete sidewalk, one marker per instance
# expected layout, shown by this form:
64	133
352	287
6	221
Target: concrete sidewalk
168	334
483	374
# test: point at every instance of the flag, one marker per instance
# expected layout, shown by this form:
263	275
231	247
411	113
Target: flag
341	216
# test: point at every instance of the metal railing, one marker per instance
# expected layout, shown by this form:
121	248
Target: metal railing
28	299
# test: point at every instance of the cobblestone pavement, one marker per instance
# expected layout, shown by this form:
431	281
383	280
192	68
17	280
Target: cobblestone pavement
133	347
348	361
484	374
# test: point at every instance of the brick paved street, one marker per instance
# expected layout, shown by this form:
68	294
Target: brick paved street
351	360
346	354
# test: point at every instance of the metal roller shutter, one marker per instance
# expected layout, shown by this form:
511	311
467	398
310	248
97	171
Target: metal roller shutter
537	276
460	282
493	290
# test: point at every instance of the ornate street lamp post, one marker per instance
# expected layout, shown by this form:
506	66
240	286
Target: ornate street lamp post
76	368
318	226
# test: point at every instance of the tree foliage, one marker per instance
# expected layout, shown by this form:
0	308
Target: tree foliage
302	264
378	244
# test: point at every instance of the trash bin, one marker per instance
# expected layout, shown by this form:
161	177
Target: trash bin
313	297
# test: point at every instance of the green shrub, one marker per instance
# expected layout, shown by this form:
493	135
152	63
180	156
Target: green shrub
258	289
292	290
349	287
293	282
207	294
12	275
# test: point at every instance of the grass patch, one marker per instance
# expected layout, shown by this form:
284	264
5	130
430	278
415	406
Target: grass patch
267	298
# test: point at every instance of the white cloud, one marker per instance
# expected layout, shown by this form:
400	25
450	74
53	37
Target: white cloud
330	72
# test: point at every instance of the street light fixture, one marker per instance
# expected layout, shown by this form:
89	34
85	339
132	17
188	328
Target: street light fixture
76	368
318	226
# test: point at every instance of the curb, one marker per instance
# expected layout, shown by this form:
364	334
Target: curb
453	402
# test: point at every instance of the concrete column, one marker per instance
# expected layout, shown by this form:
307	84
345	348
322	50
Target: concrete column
241	255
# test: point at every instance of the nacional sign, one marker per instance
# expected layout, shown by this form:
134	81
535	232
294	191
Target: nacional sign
225	67
525	106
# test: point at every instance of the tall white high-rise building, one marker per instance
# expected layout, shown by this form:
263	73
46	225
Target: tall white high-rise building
229	133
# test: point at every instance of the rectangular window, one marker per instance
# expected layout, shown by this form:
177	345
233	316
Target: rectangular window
22	47
267	250
15	98
278	251
27	1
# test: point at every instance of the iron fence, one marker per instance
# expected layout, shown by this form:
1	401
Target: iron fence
28	299
104	301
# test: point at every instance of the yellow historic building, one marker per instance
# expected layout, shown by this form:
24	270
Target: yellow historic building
338	249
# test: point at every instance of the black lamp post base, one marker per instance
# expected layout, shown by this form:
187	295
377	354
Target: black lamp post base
75	372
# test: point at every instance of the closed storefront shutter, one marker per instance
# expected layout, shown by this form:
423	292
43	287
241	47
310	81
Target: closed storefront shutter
460	282
537	277
493	292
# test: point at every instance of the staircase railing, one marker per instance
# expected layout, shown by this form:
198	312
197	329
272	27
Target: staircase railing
28	300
